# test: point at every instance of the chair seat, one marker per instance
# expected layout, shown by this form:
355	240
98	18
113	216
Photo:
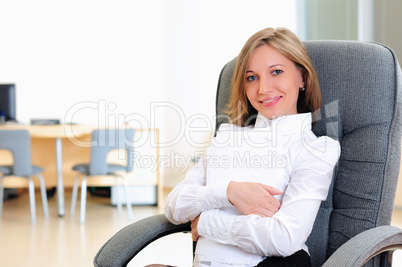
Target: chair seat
18	142
8	169
111	168
5	169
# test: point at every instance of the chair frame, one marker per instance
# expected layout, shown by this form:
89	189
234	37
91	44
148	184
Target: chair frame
18	142
101	168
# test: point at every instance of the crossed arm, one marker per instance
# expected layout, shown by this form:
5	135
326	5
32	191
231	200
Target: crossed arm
264	227
248	198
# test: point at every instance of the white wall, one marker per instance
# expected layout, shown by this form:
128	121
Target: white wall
200	38
151	62
63	53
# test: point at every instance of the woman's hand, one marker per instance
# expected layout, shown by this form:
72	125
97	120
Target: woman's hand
253	198
194	231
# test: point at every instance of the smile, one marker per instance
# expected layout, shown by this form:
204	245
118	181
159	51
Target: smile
271	100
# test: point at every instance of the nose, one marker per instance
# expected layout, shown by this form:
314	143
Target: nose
265	86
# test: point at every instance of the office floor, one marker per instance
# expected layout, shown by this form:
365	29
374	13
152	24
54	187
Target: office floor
65	242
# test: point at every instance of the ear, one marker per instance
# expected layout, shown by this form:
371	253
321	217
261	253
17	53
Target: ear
303	78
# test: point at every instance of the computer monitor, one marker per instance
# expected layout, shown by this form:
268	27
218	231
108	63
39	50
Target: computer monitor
7	101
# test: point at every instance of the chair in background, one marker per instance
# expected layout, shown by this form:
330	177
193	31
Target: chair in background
104	141
361	87
18	142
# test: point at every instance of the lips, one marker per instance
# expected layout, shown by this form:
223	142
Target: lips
270	101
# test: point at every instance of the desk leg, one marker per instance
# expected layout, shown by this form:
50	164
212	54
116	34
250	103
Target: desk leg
60	184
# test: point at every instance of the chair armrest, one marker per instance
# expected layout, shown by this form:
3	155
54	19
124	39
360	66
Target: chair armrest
128	242
366	245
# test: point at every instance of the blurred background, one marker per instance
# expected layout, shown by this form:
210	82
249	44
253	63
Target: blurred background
156	63
148	64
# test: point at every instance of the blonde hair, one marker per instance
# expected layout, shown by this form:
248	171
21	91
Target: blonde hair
240	111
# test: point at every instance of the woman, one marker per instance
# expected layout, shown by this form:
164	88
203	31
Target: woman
254	196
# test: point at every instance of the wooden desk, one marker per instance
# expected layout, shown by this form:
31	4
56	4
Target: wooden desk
57	148
55	133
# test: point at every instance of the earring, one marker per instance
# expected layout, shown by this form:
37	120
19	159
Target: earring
302	89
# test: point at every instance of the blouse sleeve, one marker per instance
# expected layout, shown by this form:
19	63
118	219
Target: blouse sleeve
287	231
192	196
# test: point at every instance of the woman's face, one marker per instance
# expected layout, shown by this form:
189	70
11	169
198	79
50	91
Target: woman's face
272	83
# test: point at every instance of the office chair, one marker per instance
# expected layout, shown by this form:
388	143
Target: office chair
361	93
18	142
104	141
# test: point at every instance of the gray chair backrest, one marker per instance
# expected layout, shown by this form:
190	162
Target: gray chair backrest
19	143
106	140
361	92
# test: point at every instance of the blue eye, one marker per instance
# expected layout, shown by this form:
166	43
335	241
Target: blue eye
277	72
251	78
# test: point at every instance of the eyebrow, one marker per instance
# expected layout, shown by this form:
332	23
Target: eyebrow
270	67
275	65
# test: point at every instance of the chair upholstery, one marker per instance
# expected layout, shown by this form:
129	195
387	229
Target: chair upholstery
103	142
361	91
18	142
363	111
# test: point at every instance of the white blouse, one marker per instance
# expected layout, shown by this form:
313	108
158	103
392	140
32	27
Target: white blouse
283	153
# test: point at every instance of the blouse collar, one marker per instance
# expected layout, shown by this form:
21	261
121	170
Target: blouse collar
285	124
